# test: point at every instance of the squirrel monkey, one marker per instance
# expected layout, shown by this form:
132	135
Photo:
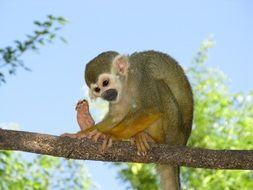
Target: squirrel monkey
149	97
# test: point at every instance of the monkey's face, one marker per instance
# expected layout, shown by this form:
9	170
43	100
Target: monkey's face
108	87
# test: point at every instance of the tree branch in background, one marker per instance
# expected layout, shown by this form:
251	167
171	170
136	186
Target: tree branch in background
46	32
123	152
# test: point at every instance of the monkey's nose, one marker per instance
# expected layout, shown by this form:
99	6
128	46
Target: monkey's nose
110	95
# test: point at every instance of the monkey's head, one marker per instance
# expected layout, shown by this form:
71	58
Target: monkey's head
106	75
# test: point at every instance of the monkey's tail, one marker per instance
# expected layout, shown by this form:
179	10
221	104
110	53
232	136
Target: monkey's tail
169	177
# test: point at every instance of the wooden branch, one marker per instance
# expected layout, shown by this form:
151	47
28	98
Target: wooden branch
124	152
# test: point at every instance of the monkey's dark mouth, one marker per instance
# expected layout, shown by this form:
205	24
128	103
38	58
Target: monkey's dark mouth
110	95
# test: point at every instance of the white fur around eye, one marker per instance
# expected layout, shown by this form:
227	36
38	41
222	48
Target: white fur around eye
102	78
92	94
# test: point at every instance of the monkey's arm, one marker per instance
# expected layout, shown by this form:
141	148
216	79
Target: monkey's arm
106	123
132	124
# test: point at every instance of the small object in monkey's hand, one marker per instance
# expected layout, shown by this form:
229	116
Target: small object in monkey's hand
85	121
83	116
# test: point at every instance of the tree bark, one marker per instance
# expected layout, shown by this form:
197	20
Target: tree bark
123	152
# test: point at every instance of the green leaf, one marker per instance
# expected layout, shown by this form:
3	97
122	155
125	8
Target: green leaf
11	56
37	23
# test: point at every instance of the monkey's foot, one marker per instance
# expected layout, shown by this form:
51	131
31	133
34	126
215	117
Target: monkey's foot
83	116
141	141
107	143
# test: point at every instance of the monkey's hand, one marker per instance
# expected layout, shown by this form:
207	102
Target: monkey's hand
85	122
93	135
141	140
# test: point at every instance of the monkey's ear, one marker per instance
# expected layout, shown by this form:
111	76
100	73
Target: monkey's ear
120	64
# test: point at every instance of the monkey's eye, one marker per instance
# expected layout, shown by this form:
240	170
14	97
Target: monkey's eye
97	89
105	83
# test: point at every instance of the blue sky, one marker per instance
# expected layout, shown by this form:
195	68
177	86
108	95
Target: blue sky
43	100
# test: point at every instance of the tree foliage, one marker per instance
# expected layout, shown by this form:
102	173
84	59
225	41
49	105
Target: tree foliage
138	176
46	32
41	173
222	120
